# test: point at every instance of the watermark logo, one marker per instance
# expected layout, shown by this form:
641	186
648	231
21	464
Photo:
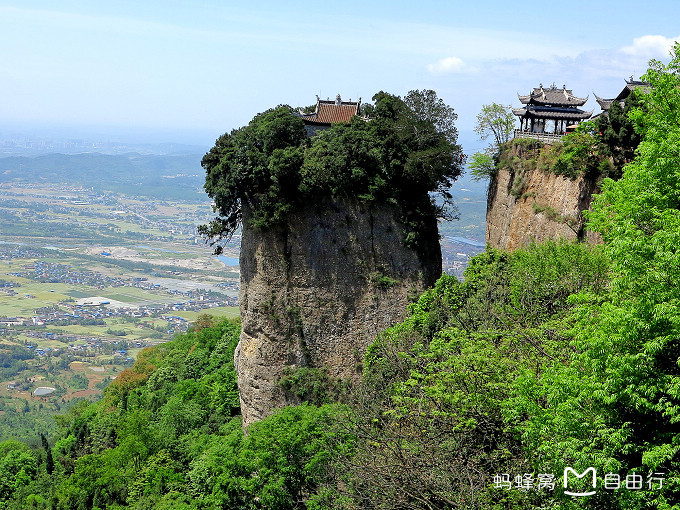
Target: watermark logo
570	477
568	470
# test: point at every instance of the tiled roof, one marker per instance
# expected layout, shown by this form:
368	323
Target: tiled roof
631	85
553	96
552	113
329	112
605	104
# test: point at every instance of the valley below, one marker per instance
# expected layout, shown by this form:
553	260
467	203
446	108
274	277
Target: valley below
92	273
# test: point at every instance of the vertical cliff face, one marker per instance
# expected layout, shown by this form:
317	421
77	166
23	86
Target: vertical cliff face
530	204
316	290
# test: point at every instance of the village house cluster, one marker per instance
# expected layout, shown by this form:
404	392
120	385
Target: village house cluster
94	310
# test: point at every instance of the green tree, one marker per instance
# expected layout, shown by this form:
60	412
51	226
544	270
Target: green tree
617	132
49	460
240	172
134	447
279	465
482	166
616	404
429	420
427	107
405	151
579	153
18	467
496	121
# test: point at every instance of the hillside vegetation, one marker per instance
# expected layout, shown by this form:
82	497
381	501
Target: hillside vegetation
426	420
560	355
398	151
597	150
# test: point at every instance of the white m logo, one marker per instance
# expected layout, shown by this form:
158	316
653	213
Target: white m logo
568	470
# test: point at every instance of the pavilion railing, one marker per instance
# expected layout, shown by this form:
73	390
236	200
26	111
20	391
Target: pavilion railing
541	137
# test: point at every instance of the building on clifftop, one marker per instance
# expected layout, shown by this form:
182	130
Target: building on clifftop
329	112
549	113
631	85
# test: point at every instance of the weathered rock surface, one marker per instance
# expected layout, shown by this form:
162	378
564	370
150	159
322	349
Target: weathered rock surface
317	290
548	206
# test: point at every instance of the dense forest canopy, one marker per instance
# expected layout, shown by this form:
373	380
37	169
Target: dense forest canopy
397	151
551	357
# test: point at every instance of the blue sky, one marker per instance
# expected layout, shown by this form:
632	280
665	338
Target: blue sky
190	71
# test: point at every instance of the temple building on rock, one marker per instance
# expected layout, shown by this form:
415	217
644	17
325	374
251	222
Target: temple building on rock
549	113
631	85
329	112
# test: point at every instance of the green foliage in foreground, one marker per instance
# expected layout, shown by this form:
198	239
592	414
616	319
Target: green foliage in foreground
436	387
167	434
615	404
624	384
480	379
425	426
560	355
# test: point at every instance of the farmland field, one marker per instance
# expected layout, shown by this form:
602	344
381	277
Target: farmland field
93	272
89	276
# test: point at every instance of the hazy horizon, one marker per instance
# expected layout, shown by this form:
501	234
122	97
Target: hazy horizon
187	72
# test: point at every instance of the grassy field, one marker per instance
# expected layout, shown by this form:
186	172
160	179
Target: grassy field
52	293
231	312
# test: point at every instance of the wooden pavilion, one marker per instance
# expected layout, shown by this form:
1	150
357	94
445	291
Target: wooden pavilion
548	108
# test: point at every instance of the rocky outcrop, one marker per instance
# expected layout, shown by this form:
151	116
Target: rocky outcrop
526	205
316	290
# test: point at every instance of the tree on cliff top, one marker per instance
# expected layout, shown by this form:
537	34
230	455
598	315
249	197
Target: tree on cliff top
399	153
617	132
497	121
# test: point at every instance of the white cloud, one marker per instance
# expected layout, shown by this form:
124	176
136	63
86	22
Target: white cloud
600	71
447	65
589	67
650	46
